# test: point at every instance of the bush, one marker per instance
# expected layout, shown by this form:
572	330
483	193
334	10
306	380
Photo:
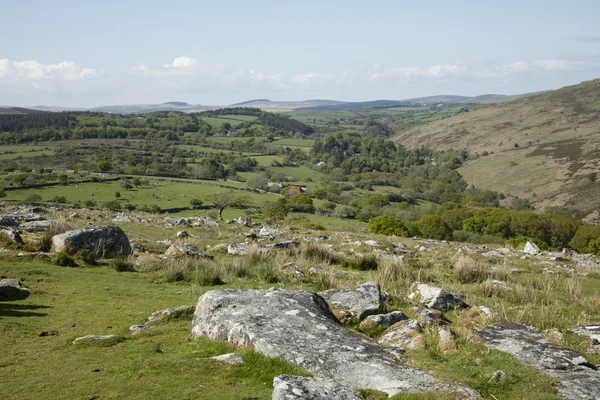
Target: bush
59	199
300	202
88	257
387	225
433	227
112	205
587	239
196	203
364	263
90	203
64	260
33	198
122	265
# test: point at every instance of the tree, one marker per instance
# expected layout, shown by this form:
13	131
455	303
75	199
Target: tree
104	166
227	199
387	225
302	203
117	195
276	210
196	203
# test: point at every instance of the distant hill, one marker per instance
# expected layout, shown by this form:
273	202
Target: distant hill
544	147
176	103
18	110
249	102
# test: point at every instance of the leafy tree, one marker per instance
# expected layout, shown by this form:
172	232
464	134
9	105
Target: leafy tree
434	227
196	203
387	225
104	166
276	210
378	200
319	193
117	195
33	198
302	203
223	200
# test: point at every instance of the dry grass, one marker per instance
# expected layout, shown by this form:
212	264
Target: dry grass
468	270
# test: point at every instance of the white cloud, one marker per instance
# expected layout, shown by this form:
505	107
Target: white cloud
30	70
559	65
182	62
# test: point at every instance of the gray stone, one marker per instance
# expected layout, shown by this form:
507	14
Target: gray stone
182	234
446	342
374	321
580	380
287	244
290	266
239	248
268	231
104	242
135	329
137	247
531	248
406	334
7	221
428	316
434	297
591	331
356	304
10	289
121	217
204	222
497	377
186	250
300	327
13	235
36	226
171	313
94	338
230	358
289	387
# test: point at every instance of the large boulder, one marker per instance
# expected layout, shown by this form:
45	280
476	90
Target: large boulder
434	297
300	327
531	248
10	289
356	304
104	242
289	387
580	380
8	222
406	334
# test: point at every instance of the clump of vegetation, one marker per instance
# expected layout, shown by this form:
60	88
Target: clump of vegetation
121	264
56	227
64	260
362	263
88	257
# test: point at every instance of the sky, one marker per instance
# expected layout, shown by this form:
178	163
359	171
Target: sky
88	53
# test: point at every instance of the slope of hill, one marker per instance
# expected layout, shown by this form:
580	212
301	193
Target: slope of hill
17	110
545	147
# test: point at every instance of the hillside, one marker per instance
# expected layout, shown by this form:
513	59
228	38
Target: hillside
544	147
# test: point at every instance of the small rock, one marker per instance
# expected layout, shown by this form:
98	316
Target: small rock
239	248
487	311
428	316
356	304
186	250
497	377
175	312
436	298
135	329
182	234
48	333
555	336
93	338
374	321
290	266
405	334
230	358
137	247
121	217
447	342
268	231
10	289
531	248
13	235
287	244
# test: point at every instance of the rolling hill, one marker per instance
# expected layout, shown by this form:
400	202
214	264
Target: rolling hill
545	147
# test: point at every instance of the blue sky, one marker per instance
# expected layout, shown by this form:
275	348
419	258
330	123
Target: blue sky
90	53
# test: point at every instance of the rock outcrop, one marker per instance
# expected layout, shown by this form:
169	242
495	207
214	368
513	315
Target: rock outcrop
374	321
104	242
580	380
300	327
289	387
186	250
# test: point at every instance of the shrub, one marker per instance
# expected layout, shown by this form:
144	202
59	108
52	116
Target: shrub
88	257
196	203
56	228
112	205
433	227
90	203
300	202
387	225
364	263
587	239
122	265
64	260
33	198
276	210
59	199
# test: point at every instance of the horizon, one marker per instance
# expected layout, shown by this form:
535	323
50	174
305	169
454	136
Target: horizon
214	54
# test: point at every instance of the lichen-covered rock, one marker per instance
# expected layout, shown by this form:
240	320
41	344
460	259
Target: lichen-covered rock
407	334
36	226
172	313
290	267
447	340
244	248
579	379
356	304
289	387
186	250
428	316
267	231
229	358
434	297
97	338
205	222
300	327
10	289
374	321
554	335
591	331
531	248
287	244
104	242
13	235
8	222
122	217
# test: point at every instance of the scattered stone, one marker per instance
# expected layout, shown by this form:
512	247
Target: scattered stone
318	271
591	331
36	226
428	316
135	329
245	221
182	234
13	235
486	311
95	338
48	333
10	289
434	297
204	222
230	358
531	248
171	313
406	334
580	380
555	336
287	244
104	242
75	215
186	250
137	247
9	222
244	248
301	328
122	217
268	231
498	284
356	304
374	321
290	266
497	377
289	387
447	340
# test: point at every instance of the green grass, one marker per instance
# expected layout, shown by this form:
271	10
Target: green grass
164	363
